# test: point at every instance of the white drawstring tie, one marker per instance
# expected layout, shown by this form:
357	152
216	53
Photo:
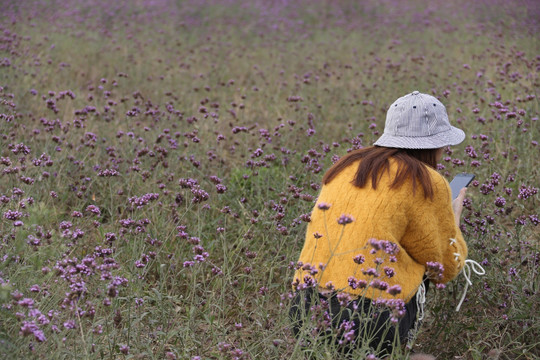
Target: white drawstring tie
470	265
420	300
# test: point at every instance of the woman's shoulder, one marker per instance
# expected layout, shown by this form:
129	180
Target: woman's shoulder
437	178
441	187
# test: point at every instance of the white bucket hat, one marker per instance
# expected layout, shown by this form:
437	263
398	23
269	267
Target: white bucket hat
418	121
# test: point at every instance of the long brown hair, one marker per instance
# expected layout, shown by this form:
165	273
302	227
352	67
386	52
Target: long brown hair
411	164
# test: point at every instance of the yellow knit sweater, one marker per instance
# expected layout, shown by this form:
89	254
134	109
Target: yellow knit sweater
423	231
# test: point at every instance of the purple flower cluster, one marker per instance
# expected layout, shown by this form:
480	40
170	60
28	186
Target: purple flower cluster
434	270
31	328
526	192
139	202
13	215
323	206
386	246
345	219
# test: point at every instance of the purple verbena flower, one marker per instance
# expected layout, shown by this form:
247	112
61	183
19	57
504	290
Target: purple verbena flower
124	349
394	290
93	209
13	215
434	270
64	225
526	191
345	219
389	272
371	272
30	327
70	324
359	259
500	201
139	202
379	284
323	206
26	302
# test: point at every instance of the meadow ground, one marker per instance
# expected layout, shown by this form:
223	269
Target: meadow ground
159	160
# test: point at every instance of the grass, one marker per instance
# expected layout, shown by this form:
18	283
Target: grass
224	94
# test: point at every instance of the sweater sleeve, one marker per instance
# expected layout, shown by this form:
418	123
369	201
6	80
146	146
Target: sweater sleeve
432	234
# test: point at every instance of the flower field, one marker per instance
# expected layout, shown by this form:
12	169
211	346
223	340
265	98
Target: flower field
159	161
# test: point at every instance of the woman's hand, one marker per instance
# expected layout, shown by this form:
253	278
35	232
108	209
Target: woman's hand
457	204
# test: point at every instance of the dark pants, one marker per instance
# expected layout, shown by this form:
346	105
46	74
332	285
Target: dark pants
371	324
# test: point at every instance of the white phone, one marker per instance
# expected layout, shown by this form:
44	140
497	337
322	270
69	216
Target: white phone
459	182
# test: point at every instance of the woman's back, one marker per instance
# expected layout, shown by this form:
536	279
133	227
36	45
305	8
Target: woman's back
409	220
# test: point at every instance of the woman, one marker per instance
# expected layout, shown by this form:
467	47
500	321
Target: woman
384	223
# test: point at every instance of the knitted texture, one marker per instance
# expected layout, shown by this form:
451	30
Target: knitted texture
418	231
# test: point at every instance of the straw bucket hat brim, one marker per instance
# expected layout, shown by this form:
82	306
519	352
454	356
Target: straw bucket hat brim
453	136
